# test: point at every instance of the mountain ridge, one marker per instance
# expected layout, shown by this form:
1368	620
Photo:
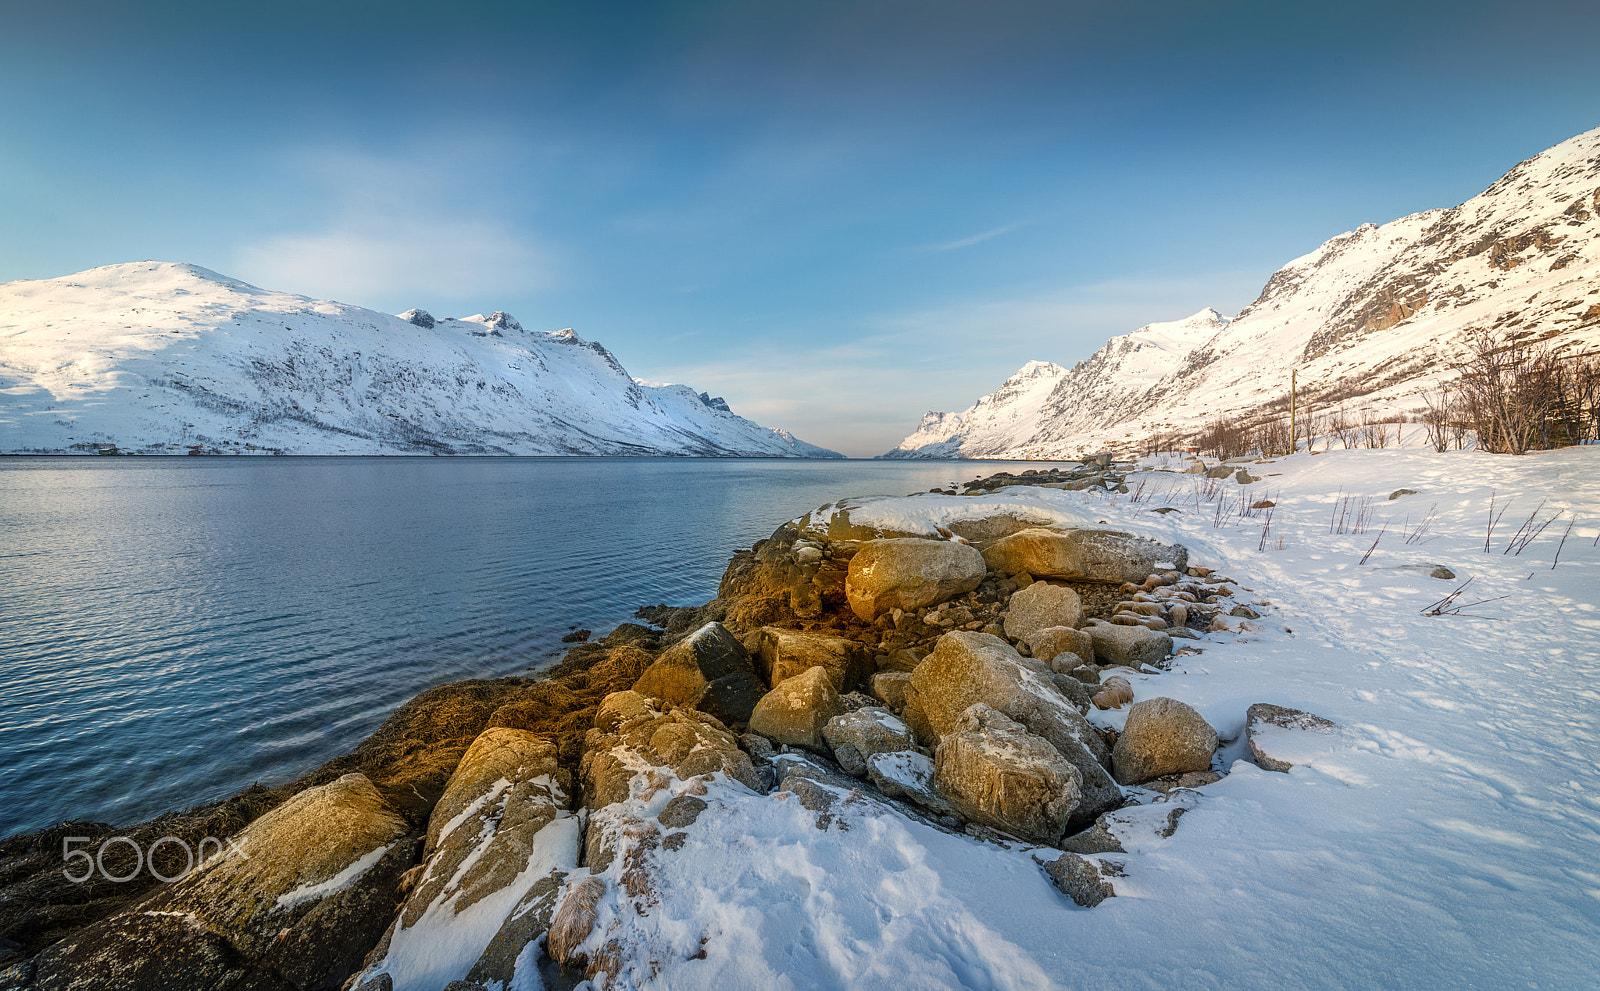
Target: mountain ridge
1370	319
163	357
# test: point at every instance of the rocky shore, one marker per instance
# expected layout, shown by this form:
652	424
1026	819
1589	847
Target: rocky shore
938	659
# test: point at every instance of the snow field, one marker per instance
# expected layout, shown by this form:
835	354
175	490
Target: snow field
1445	837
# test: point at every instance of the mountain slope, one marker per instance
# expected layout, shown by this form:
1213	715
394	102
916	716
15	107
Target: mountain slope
1370	319
157	357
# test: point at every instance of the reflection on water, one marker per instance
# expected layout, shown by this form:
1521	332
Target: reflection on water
174	629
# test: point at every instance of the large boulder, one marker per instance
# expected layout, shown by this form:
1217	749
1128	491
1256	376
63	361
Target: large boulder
1162	736
1129	646
631	736
1042	606
1281	737
781	654
857	736
1093	555
1061	647
501	843
797	709
966	668
683	670
910	573
994	772
297	899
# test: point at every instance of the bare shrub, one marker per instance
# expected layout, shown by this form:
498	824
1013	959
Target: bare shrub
1518	396
1374	431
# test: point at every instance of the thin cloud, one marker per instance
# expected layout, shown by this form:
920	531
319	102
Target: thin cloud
391	258
967	242
398	232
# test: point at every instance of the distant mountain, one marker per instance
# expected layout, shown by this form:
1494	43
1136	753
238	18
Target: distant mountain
154	357
1370	319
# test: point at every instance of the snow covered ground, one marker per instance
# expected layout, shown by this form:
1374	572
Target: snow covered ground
1446	838
158	358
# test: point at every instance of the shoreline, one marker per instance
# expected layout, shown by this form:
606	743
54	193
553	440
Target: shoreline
762	587
812	753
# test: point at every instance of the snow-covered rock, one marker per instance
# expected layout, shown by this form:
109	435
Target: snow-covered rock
154	357
1371	318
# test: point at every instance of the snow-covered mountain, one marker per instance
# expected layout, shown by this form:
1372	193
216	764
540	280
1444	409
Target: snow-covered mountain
1370	320
154	357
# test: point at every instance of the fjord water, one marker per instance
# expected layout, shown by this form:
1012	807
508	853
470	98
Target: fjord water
173	629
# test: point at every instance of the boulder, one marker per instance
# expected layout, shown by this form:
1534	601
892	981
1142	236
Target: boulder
890	688
797	709
684	670
994	772
501	843
1129	646
1162	736
781	654
856	736
910	573
308	897
1094	555
1050	642
966	668
1281	737
1042	606
732	698
631	737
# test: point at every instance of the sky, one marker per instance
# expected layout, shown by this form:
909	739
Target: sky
837	215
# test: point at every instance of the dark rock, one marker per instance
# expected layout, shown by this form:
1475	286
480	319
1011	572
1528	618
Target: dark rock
732	698
576	636
683	670
1081	879
682	811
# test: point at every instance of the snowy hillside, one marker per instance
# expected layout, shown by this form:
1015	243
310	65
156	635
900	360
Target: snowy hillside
1370	319
155	357
988	423
1112	383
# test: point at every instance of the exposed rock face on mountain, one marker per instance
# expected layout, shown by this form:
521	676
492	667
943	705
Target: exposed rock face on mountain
154	357
1373	317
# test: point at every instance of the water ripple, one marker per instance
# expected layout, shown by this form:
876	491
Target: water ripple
174	629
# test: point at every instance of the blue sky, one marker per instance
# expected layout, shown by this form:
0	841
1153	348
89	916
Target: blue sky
837	215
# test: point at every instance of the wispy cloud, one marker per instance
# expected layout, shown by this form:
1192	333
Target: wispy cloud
967	242
388	257
399	232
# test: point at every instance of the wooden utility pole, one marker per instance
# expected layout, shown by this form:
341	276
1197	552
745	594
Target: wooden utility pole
1293	434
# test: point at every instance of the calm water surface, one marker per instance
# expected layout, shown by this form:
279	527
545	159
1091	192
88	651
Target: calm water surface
174	629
